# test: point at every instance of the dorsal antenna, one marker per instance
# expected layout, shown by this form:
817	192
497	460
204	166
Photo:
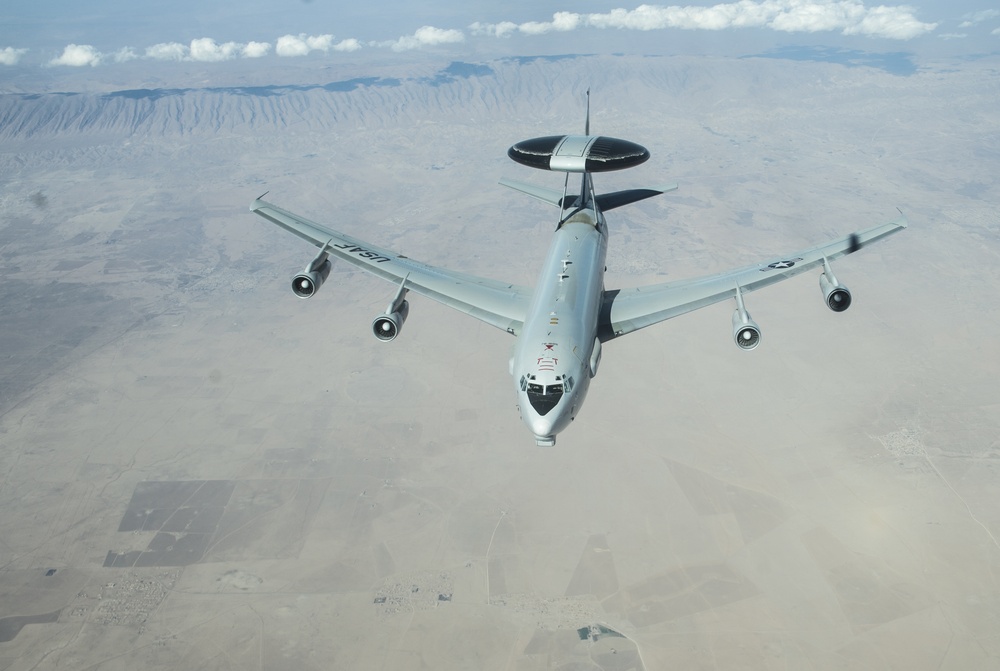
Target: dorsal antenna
586	125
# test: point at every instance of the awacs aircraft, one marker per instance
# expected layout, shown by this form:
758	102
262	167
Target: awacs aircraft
561	324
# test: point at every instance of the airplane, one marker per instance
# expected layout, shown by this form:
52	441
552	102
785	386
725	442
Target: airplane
562	323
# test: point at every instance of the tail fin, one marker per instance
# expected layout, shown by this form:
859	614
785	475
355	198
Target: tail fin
586	125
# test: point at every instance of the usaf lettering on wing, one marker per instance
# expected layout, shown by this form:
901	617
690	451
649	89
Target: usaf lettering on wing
363	253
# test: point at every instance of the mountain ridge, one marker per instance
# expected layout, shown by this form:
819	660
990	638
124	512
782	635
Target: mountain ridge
531	87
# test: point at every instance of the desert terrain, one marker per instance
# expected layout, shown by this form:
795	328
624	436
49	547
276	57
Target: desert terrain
200	470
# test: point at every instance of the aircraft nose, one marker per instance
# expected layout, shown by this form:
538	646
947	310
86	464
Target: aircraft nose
541	426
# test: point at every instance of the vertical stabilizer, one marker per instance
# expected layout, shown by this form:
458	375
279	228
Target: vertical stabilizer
586	125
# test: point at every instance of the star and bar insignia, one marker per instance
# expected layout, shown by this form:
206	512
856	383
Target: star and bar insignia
780	265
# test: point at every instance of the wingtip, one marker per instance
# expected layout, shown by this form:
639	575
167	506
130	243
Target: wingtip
255	205
902	222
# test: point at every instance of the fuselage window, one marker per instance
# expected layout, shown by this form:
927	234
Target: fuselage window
543	398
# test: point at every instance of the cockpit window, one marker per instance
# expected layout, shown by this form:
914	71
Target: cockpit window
544	398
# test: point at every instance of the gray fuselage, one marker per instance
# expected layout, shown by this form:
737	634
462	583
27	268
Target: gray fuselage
554	357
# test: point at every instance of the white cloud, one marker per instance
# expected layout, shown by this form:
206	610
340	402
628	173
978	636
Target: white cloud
973	18
427	36
851	17
561	22
895	23
535	28
10	55
255	49
124	55
813	17
302	44
289	45
207	50
78	55
350	44
167	51
502	29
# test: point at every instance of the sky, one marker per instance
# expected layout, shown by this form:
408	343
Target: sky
105	33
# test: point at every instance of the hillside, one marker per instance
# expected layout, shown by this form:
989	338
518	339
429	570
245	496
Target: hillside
539	90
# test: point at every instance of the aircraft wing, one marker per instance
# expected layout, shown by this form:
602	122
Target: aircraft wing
496	303
628	310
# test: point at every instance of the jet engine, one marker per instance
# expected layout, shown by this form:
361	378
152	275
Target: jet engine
746	333
387	325
836	295
308	282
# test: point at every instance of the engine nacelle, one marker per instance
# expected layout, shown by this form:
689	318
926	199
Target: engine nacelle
746	333
387	325
308	282
836	295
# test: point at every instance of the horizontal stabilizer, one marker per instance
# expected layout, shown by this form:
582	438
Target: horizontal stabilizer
609	201
550	196
605	201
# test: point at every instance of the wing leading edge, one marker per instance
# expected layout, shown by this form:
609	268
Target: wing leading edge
496	303
628	310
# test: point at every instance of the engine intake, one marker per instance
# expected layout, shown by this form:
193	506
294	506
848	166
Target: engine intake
836	295
308	282
387	326
746	333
